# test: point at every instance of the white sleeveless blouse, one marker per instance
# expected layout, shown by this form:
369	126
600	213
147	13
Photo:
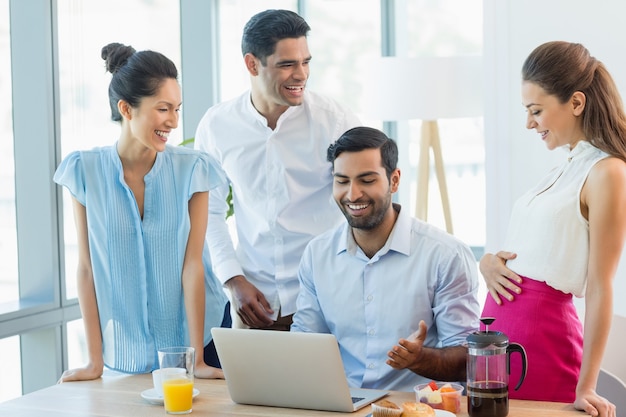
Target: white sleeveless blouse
547	229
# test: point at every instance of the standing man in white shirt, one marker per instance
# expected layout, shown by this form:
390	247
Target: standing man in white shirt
271	143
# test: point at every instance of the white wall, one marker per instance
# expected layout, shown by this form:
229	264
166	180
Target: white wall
515	157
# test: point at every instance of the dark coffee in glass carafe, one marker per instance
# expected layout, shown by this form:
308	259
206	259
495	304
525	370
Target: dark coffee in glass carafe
488	399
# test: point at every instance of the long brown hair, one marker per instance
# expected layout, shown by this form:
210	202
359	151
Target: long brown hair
561	69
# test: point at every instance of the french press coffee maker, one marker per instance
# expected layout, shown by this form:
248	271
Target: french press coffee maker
488	368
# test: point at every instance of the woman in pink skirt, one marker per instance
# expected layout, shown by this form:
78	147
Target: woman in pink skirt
566	234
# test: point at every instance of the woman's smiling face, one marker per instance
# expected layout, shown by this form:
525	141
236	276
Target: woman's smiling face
558	123
156	116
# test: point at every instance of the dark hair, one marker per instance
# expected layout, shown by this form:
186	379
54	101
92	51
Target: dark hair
562	68
135	74
361	138
266	28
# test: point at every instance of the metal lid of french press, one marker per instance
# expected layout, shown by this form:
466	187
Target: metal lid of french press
482	339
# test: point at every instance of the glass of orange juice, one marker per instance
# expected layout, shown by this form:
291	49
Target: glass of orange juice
177	386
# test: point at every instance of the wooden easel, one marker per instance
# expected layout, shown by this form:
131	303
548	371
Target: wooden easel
430	139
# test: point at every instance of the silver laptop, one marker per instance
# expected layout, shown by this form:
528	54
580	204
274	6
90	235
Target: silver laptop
287	369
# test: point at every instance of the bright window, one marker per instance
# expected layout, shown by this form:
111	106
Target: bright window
77	354
8	231
11	375
341	56
451	28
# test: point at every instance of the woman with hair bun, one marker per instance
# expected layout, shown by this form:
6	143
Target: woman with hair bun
141	207
565	235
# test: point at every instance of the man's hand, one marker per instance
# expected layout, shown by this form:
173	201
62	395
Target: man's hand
441	364
250	303
408	352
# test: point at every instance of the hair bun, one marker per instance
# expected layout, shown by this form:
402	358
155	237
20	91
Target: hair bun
116	55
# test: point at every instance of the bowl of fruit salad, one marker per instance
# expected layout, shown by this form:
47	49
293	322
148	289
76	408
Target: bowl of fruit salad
440	395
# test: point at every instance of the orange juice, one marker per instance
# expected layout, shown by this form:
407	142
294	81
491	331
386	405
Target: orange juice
178	395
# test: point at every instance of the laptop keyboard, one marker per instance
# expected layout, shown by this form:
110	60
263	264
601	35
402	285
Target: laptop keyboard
357	399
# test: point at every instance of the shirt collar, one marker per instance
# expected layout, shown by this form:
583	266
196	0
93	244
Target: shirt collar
253	111
261	119
581	147
117	161
399	239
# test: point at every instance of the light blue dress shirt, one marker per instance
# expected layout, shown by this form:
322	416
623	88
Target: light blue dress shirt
282	189
422	273
137	263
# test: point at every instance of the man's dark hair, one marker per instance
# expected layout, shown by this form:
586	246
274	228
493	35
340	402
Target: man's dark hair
266	28
361	138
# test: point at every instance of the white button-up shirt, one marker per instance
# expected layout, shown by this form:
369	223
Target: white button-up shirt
282	189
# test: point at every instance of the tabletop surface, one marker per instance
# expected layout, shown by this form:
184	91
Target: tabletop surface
116	395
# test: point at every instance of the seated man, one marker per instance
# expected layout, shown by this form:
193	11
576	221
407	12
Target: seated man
385	277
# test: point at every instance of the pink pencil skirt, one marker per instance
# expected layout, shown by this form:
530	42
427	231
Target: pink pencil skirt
544	321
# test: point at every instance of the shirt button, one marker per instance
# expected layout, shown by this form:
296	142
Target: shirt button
371	366
371	332
370	298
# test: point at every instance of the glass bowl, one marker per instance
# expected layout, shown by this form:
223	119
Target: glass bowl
447	396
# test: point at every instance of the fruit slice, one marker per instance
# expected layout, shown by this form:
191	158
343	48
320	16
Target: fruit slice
434	398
